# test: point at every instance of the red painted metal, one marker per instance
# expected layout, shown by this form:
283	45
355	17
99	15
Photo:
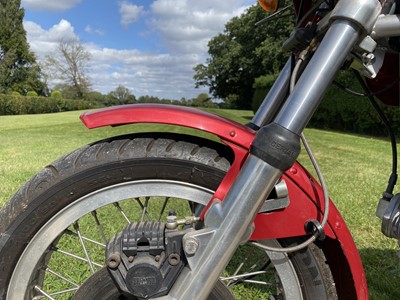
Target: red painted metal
306	196
173	115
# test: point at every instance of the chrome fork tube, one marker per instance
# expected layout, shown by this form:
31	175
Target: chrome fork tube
317	76
228	223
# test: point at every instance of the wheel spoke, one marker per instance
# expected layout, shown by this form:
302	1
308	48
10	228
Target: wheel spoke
242	264
65	291
116	204
99	226
76	226
43	293
237	277
144	208
70	232
76	257
163	208
256	282
62	277
144	211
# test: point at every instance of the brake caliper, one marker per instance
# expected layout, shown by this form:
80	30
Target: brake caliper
146	258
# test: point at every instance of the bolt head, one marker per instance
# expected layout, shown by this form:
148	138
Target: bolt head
114	260
190	245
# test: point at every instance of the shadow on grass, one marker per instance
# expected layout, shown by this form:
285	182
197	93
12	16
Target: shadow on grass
382	268
247	117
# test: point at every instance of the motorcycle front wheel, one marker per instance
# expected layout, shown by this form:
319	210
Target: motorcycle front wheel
54	230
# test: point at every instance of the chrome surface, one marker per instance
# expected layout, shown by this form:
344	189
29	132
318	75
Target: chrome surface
391	218
281	200
364	13
386	26
307	94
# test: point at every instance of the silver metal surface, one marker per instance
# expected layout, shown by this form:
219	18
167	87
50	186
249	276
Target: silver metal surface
226	223
361	12
386	26
274	204
368	44
369	64
310	88
281	200
190	245
391	218
281	189
274	99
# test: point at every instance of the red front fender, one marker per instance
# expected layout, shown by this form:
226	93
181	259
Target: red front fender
306	197
172	115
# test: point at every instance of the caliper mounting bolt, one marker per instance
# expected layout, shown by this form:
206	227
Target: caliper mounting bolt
114	260
190	245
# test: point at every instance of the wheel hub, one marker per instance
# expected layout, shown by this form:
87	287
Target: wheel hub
146	258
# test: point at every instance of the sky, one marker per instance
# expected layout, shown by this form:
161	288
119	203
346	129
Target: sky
148	46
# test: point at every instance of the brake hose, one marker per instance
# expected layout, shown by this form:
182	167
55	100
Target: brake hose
321	179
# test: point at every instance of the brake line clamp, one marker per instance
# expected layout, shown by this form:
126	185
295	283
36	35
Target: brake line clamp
315	227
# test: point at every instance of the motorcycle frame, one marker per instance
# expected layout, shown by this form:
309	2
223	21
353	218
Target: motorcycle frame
235	205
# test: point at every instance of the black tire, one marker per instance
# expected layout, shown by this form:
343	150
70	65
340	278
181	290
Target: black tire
104	288
32	214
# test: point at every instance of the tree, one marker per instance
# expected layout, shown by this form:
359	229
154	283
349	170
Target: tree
148	99
70	64
242	53
122	95
67	91
19	71
203	100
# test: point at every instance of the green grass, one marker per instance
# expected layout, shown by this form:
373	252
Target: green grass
356	170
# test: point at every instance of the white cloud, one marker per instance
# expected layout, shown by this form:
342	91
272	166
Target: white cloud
184	27
130	13
50	5
89	29
43	42
187	26
161	75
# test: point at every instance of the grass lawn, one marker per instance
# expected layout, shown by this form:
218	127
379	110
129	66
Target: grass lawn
356	170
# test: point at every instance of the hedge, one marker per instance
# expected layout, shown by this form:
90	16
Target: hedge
343	112
261	87
347	113
19	105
